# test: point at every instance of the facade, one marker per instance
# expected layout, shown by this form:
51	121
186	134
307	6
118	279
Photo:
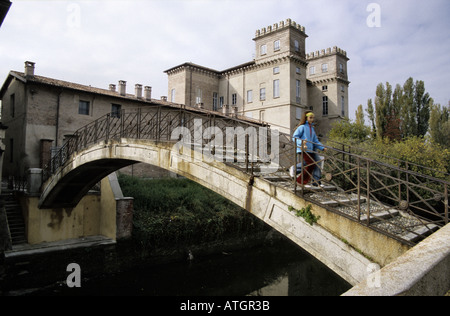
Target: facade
276	87
41	113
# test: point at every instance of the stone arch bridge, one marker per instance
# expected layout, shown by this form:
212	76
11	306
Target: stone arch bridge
371	212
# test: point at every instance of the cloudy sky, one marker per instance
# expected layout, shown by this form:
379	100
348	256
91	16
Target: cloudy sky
98	42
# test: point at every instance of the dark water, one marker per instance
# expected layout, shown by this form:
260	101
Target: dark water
282	269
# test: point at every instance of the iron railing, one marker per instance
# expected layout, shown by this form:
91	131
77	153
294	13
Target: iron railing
391	199
161	123
394	200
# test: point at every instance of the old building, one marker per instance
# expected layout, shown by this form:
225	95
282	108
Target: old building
279	84
41	113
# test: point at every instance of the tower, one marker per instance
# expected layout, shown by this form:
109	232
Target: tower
328	86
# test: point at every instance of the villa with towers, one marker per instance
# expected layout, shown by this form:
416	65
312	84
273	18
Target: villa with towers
276	87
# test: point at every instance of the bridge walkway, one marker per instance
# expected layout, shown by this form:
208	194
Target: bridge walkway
387	219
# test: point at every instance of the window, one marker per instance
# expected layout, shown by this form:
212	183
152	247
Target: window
172	95
116	110
262	94
276	45
325	106
343	105
12	105
276	70
234	99
297	46
342	88
341	68
84	107
324	67
250	96
198	98
221	102
298	91
215	101
312	70
324	88
297	70
263	49
276	88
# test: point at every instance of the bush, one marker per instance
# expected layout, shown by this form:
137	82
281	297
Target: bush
415	150
168	211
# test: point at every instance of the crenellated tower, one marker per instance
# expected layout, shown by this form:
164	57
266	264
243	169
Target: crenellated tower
328	86
286	38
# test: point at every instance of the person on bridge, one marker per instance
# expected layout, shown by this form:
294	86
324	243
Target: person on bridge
306	134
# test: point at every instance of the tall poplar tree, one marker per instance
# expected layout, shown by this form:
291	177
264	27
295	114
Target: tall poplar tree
440	125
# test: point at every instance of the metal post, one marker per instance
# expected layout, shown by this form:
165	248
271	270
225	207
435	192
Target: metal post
95	131
122	123
446	202
302	162
295	166
158	124
359	188
107	127
246	151
368	193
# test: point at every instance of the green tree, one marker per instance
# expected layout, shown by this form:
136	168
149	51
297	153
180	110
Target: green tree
423	103
359	115
347	132
383	103
402	113
440	125
408	110
371	114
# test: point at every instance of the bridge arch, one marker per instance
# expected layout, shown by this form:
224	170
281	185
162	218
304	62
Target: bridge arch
70	183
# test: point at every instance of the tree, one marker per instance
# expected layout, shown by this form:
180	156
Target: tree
408	110
371	113
440	125
359	115
347	132
400	114
382	107
393	126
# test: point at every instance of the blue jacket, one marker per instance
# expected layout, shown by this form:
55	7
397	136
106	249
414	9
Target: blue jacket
307	132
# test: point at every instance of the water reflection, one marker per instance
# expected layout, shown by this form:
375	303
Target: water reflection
278	270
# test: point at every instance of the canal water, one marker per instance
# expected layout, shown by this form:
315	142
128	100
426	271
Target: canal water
280	269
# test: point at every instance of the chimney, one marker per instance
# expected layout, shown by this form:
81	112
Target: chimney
148	93
112	87
138	91
29	68
122	87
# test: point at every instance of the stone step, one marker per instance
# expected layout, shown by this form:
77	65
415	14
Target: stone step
381	215
420	233
333	203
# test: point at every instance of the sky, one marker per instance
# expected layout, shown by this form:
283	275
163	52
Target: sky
99	42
